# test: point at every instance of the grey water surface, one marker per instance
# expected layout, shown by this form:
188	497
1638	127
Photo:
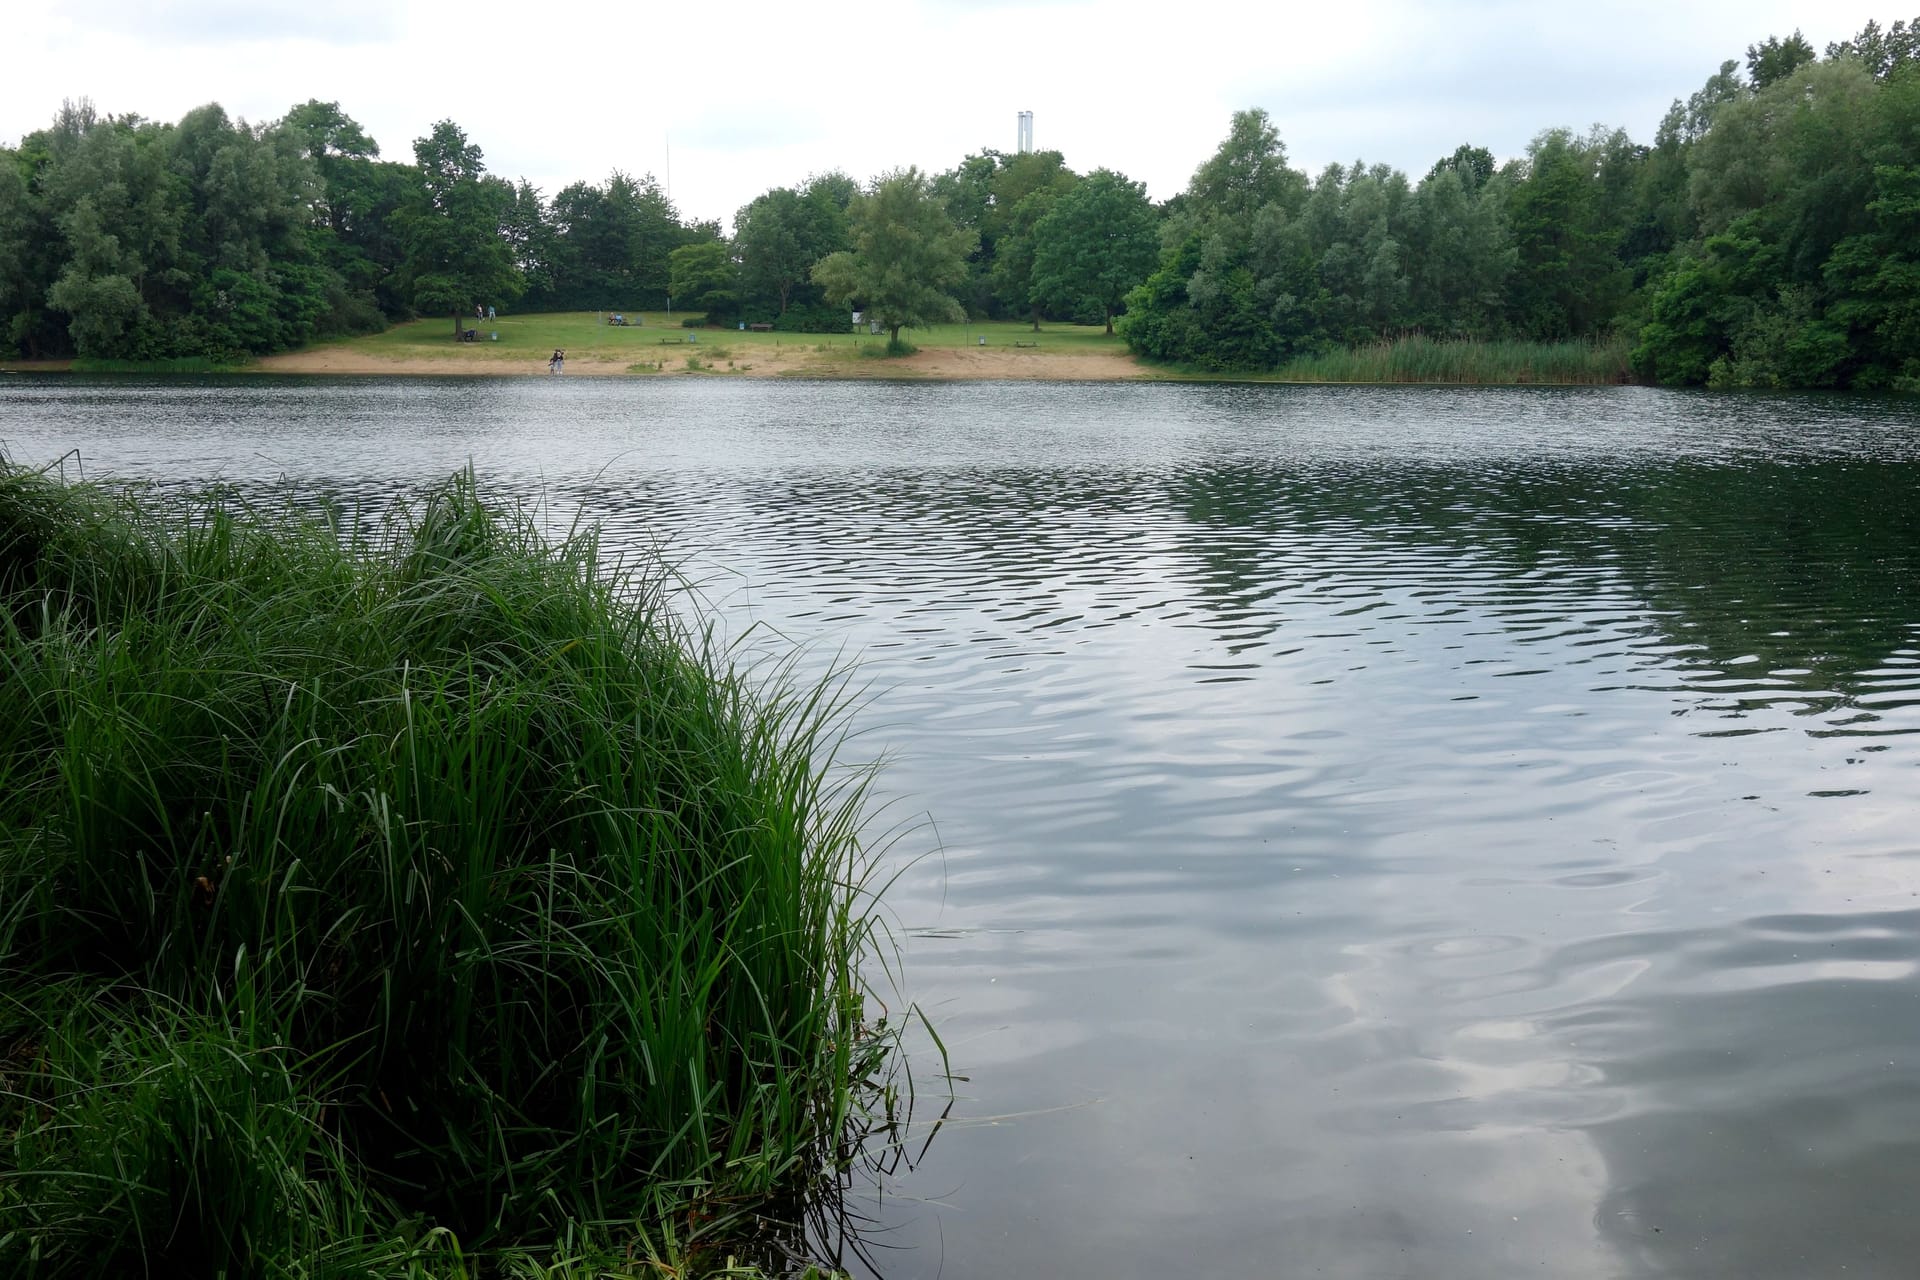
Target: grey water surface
1368	832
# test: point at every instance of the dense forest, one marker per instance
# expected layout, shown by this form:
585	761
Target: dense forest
1769	235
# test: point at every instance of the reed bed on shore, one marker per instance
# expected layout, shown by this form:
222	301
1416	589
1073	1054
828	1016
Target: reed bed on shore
408	897
1420	359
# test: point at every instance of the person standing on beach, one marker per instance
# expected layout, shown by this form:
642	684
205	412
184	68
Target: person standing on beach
558	362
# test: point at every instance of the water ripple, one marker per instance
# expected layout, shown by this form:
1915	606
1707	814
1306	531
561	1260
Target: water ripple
1401	831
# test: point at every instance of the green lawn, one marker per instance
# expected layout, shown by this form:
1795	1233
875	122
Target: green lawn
585	335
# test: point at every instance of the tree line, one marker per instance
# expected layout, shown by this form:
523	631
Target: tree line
1768	236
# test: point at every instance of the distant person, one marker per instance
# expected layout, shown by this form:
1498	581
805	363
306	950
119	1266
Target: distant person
489	313
479	312
558	362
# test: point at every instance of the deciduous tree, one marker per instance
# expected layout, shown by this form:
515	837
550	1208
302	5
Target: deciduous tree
907	257
1099	241
456	253
705	278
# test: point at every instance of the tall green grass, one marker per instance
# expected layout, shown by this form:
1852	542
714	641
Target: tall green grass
1417	358
376	902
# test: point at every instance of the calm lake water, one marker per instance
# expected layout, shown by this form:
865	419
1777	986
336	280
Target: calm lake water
1378	833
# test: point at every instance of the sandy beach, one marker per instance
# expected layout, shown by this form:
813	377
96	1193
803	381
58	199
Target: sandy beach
987	363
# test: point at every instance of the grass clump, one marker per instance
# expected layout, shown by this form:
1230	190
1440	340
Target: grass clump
1418	358
415	897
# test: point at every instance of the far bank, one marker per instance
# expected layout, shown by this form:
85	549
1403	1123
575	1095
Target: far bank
657	344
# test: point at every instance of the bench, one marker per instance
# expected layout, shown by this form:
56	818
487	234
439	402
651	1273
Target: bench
671	342
760	328
1026	344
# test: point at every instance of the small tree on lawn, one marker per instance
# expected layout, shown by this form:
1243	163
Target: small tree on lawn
907	257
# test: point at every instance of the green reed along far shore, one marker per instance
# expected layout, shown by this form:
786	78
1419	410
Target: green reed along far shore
1415	358
407	896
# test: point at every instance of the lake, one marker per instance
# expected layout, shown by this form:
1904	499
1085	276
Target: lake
1340	832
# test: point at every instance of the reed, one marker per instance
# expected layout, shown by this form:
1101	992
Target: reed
1417	358
388	896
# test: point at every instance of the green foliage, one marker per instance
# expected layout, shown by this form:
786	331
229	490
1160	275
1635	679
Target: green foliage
356	887
705	278
123	239
906	259
1246	173
1354	256
999	198
816	317
780	235
1568	280
1202	309
1882	52
1095	244
1775	59
605	247
1472	165
1766	236
451	225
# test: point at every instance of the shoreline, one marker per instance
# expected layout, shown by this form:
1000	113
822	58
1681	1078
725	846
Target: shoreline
930	366
935	364
923	366
975	351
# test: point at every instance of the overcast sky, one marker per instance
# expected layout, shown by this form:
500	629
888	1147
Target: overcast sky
728	100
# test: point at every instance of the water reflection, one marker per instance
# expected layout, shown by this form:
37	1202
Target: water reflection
1381	832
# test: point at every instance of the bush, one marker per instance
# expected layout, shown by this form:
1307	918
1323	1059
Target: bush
816	317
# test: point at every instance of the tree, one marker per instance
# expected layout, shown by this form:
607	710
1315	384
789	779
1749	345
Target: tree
784	232
1013	258
907	256
705	277
1099	241
1882	52
1023	192
1473	164
1459	255
1247	172
1776	59
609	244
456	254
1568	281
